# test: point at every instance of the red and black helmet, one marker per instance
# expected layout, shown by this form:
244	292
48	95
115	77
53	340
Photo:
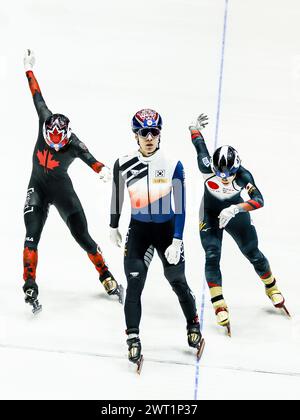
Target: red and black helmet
57	131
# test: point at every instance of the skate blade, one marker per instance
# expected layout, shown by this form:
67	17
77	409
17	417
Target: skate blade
140	365
228	329
285	311
37	310
200	349
121	294
283	308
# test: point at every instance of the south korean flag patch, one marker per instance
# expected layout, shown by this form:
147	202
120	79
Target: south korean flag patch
160	173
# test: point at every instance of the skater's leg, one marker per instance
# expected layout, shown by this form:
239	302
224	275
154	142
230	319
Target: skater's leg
136	273
138	255
35	215
71	211
77	224
175	274
211	240
244	234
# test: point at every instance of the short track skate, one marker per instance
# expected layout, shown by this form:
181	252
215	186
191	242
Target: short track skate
278	301
31	299
120	294
134	353
223	319
113	288
195	339
200	349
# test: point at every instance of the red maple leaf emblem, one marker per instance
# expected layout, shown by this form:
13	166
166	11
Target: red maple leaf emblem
45	160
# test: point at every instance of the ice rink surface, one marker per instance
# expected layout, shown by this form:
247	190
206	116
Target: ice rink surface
99	62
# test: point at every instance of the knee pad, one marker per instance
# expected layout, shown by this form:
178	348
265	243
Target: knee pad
212	256
136	275
134	266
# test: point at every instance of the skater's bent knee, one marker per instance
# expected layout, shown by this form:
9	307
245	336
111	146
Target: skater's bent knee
134	267
212	255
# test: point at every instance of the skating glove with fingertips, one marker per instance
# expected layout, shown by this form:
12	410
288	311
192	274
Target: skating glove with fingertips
115	237
227	214
173	253
200	123
105	174
29	60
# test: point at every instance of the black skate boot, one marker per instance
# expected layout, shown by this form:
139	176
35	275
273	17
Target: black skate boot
134	351
31	291
195	339
111	286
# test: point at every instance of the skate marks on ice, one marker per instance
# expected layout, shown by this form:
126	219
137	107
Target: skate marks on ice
97	355
149	359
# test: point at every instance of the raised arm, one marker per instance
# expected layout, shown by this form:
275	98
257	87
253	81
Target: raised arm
39	102
203	155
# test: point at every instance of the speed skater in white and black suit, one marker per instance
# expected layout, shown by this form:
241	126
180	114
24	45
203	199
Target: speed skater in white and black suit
151	180
223	208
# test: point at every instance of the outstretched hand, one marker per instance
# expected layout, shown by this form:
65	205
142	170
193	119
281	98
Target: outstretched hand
29	60
200	123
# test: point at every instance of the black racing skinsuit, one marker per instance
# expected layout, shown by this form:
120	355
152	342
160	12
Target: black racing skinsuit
240	227
50	184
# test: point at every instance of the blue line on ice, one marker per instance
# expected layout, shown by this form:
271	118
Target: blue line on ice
197	375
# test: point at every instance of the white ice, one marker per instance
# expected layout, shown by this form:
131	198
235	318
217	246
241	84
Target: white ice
99	62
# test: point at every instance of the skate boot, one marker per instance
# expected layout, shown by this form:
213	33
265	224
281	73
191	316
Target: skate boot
134	351
31	291
195	339
276	298
222	316
111	286
220	307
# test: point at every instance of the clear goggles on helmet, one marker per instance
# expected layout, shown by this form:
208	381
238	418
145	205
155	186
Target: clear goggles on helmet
144	132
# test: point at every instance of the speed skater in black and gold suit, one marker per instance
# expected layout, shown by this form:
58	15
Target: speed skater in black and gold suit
54	151
223	208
